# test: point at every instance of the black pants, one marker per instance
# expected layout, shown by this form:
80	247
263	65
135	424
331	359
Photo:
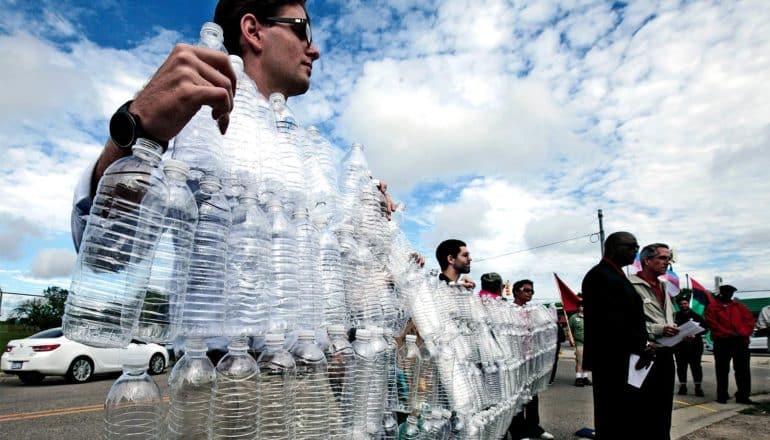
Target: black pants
527	422
688	354
657	397
735	349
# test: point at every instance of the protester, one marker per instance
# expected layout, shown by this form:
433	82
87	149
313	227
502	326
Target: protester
614	330
576	323
491	285
690	350
657	389
455	260
731	324
526	424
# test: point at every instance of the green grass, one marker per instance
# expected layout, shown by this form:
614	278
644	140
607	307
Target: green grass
10	331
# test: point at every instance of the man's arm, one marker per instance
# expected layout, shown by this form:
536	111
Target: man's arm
190	77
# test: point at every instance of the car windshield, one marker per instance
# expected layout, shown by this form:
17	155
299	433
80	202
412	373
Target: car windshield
50	333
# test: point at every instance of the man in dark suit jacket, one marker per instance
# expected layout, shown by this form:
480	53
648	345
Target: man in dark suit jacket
614	329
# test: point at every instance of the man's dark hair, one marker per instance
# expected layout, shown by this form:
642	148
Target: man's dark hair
229	12
518	284
649	251
447	248
491	282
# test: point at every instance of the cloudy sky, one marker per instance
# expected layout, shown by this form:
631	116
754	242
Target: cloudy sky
507	124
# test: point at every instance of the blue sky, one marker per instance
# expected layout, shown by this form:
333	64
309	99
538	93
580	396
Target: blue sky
504	123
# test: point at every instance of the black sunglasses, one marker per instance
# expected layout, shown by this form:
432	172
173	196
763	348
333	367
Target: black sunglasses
300	26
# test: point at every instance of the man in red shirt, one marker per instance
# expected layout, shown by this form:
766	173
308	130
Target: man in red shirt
731	324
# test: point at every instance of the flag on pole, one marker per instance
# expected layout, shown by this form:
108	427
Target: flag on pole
569	300
700	297
672	282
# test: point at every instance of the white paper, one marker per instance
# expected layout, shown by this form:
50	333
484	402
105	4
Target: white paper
689	328
636	377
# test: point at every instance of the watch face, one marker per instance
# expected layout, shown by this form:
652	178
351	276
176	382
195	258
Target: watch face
122	129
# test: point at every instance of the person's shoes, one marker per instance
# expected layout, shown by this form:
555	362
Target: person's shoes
546	435
721	399
587	382
698	391
579	382
746	401
682	390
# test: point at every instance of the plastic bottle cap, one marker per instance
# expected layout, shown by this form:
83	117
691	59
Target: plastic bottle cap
176	165
336	329
134	359
306	334
363	333
274	338
195	344
210	27
236	62
411	338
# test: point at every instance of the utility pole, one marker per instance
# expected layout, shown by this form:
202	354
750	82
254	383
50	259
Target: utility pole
601	231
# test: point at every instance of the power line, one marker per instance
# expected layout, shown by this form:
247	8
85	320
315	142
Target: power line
536	247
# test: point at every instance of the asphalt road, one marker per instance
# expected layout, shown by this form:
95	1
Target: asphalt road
58	410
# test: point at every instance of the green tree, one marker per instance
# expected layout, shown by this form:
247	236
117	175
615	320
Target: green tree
42	313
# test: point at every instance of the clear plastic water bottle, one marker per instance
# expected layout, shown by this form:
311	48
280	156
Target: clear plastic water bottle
248	269
408	361
306	259
277	384
365	372
203	312
234	403
314	395
166	287
200	143
320	164
332	282
239	161
283	298
409	430
389	429
190	388
113	265
378	387
341	361
133	407
285	164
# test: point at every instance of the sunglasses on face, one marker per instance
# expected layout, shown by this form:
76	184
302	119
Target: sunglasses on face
300	27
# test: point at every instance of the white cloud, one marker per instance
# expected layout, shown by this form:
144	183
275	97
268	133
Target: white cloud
14	231
53	263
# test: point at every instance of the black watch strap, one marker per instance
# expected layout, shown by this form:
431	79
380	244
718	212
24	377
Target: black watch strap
126	128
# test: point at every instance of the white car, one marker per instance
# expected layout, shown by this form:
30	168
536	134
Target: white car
49	353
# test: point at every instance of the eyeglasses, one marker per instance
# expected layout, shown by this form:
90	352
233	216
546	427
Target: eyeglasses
300	27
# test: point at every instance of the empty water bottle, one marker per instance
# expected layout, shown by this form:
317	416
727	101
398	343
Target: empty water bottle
409	430
306	260
168	277
283	298
341	361
113	265
314	395
277	379
332	282
199	144
133	407
248	269
234	403
203	312
409	360
190	388
365	372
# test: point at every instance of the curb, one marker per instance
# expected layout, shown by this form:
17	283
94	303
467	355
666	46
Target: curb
689	419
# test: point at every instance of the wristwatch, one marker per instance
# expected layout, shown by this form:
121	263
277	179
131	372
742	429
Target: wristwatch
126	128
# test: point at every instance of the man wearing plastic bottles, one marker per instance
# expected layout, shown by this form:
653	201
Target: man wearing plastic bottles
658	399
614	330
526	424
454	258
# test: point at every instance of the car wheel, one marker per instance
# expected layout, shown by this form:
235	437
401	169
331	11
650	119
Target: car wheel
80	370
31	378
157	364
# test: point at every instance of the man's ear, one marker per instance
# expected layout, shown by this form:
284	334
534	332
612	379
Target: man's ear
251	33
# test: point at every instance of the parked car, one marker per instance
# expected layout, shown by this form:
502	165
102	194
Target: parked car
50	353
756	344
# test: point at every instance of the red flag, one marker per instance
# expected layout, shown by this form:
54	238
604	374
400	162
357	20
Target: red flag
568	298
701	297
